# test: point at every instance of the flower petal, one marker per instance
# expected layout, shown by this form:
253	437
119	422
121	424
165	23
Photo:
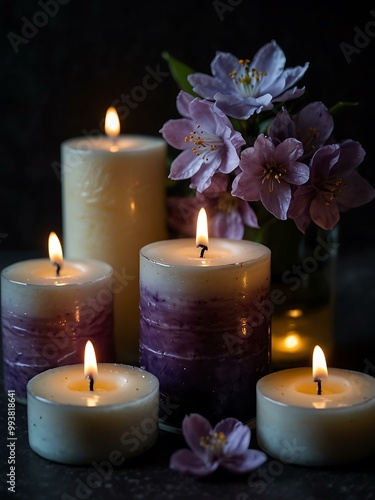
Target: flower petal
183	102
248	461
185	165
315	116
351	156
194	426
277	200
223	225
238	436
325	216
187	462
248	214
288	151
356	192
242	107
175	131
247	186
202	179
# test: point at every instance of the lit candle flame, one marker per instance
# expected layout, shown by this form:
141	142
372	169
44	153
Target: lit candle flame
112	122
90	365
55	251
319	363
320	370
201	239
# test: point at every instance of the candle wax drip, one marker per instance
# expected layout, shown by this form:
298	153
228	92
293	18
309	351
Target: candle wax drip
204	249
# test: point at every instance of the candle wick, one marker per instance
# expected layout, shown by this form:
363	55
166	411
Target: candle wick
319	382
58	267
204	249
91	382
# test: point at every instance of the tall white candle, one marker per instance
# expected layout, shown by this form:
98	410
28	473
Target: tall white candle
113	196
205	325
47	319
298	425
71	424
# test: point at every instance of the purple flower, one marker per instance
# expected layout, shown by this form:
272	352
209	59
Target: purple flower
207	138
227	214
312	125
227	445
268	171
334	186
241	88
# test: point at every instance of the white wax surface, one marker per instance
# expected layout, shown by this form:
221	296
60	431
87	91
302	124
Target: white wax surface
332	428
113	203
70	424
131	145
221	252
31	287
43	272
228	267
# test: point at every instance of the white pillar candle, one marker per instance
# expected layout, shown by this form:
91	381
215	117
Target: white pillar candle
47	319
70	424
296	424
113	202
205	326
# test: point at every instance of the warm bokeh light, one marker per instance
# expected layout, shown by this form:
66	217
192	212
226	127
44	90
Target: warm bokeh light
294	313
90	365
202	229
292	341
112	122
55	250
319	363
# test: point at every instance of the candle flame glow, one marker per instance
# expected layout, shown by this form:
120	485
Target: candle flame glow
112	122
55	250
202	229
90	365
319	364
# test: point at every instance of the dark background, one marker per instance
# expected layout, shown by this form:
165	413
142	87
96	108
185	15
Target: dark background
89	53
61	83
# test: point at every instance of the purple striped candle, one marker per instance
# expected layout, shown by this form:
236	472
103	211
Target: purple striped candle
205	326
47	319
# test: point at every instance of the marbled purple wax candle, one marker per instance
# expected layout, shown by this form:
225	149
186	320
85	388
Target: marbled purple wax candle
205	326
47	319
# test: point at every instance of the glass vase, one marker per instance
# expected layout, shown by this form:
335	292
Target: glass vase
303	268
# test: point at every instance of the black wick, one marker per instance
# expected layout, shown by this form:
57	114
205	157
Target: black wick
91	380
204	248
58	267
319	382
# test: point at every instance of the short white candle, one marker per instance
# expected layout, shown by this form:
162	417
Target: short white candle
297	425
113	203
205	325
47	318
70	424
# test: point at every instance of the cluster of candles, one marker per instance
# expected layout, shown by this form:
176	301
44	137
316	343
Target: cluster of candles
203	336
